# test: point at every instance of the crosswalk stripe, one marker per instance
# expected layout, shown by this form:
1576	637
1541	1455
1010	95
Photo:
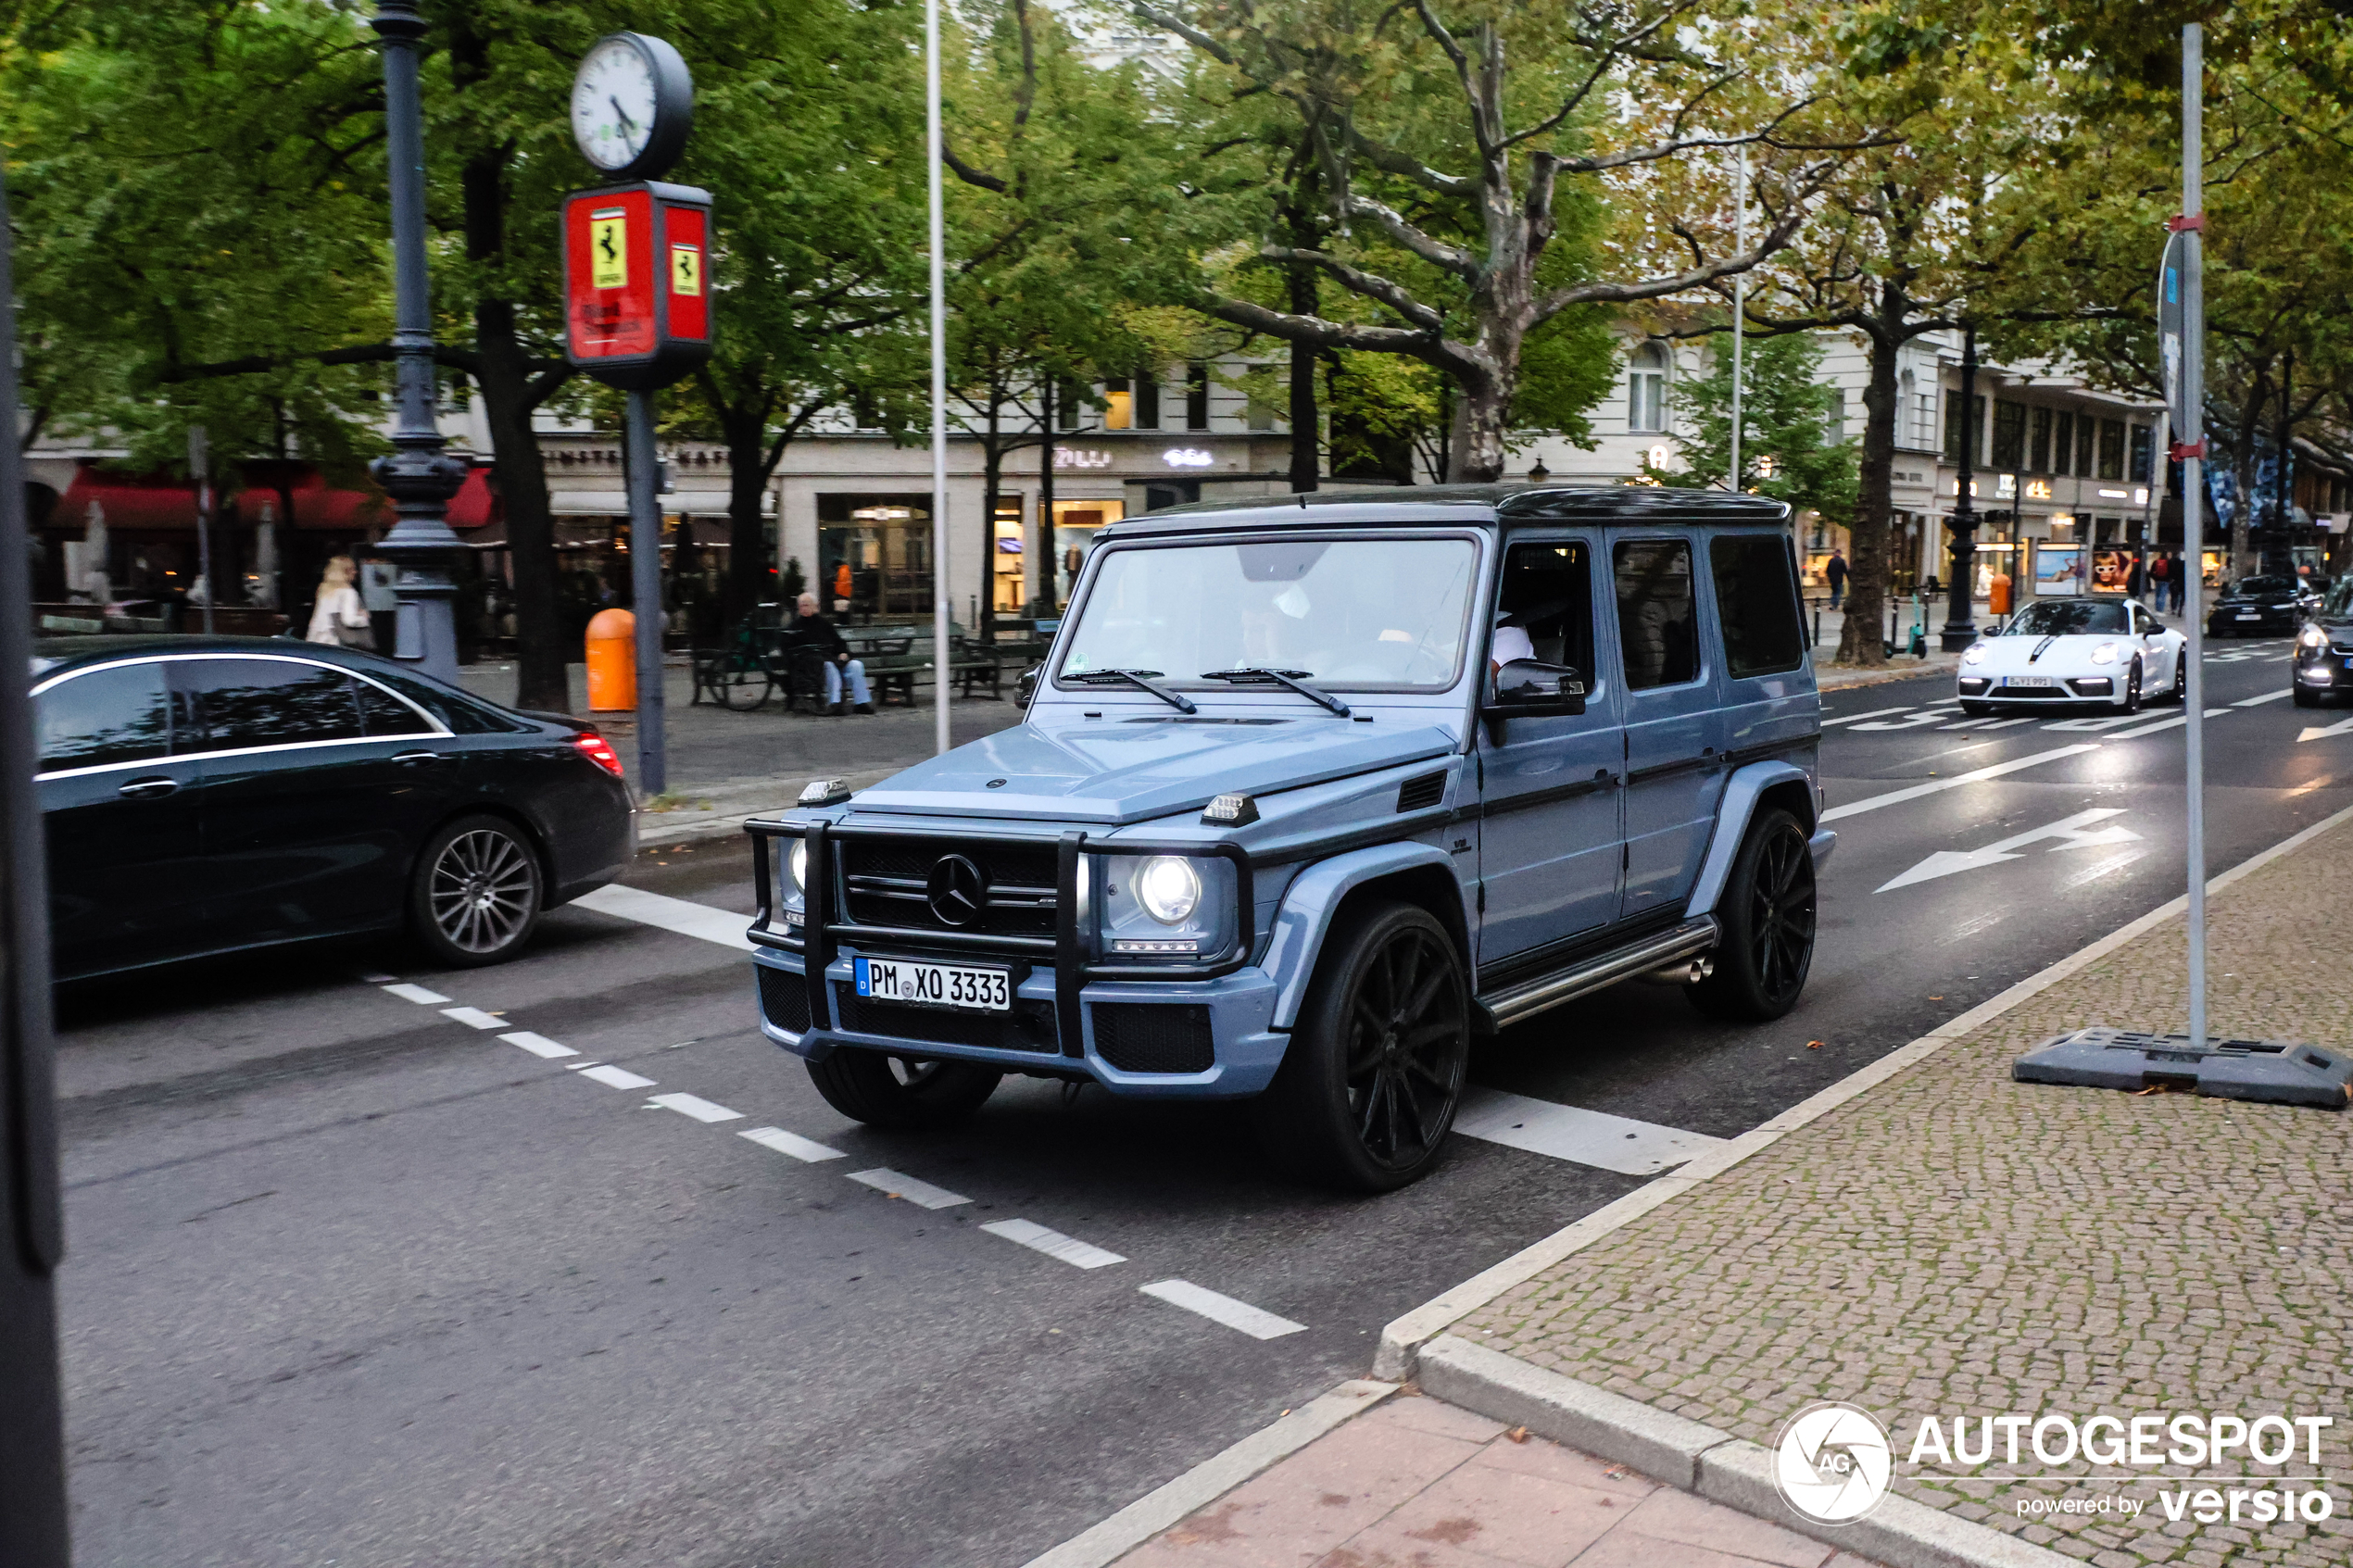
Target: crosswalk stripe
680	915
1571	1132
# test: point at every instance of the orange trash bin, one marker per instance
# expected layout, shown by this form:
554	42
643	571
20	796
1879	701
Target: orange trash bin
612	660
1997	596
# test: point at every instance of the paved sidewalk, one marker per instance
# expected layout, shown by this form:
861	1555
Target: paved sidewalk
1952	1244
1420	1483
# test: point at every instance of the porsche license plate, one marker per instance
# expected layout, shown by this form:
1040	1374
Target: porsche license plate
2030	680
968	987
2250	615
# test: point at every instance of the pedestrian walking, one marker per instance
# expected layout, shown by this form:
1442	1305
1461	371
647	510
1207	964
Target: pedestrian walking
336	614
2135	580
1834	573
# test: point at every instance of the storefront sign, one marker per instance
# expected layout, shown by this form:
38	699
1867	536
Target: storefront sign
1187	457
2038	489
1080	457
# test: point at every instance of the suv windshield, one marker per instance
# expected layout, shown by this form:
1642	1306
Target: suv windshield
1381	614
2260	587
2065	618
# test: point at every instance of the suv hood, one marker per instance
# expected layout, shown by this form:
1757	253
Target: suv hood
1126	771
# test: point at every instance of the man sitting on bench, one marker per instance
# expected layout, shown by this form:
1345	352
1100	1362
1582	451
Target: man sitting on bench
813	632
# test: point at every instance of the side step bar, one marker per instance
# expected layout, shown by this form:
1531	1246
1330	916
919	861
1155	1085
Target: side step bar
1582	978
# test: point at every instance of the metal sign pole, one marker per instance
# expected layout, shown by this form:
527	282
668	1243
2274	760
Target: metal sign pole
2192	439
939	660
639	469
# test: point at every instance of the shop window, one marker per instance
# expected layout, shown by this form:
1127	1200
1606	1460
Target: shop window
2063	446
1953	430
874	552
1147	401
1119	406
1646	389
2009	434
2111	449
2038	445
1196	398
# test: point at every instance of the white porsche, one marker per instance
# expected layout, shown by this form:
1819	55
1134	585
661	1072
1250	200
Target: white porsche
2056	651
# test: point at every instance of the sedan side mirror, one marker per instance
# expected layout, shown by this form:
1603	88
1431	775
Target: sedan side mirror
1529	688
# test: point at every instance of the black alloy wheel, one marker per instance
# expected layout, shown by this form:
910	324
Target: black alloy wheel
2182	675
475	896
2133	689
1769	914
1367	1090
906	1094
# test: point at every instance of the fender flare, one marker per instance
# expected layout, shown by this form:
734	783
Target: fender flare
1296	940
1742	790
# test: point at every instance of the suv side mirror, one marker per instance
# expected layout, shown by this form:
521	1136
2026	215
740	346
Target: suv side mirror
1529	688
1025	686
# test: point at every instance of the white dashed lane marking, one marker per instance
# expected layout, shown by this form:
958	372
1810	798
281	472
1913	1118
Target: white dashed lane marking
1253	1321
2259	701
475	1018
670	914
892	1183
417	994
697	1107
1569	1132
1934	786
1852	718
792	1143
537	1045
1053	1244
615	1077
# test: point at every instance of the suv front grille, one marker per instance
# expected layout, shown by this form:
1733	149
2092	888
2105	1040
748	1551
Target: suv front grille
1028	1027
886	881
1136	1037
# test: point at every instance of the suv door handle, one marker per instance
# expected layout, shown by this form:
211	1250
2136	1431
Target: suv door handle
149	789
418	758
1604	778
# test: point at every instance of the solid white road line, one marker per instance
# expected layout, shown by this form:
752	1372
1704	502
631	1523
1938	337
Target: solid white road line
2267	696
922	1194
1053	1244
1934	786
670	914
537	1045
697	1107
475	1017
791	1143
615	1077
1569	1132
2175	723
1250	1319
1854	718
417	994
2006	723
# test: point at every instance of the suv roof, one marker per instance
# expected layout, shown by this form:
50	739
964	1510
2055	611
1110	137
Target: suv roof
1629	505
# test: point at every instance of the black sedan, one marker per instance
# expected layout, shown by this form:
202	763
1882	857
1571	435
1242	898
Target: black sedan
2324	649
2259	607
204	794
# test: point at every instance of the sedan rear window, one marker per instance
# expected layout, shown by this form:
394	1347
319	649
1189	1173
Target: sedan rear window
118	714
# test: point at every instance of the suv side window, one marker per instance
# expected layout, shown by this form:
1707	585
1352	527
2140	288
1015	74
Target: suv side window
122	714
1657	617
1757	602
251	702
1547	591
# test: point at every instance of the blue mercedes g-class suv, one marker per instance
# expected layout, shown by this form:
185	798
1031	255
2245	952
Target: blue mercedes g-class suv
1311	791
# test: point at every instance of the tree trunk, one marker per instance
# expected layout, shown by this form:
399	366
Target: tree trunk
2243	472
746	432
1307	447
1475	439
1860	642
1046	568
540	657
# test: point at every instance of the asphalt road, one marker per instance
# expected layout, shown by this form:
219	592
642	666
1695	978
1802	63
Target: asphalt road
356	1282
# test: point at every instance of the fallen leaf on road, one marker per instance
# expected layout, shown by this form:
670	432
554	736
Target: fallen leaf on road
1814	1045
1517	1434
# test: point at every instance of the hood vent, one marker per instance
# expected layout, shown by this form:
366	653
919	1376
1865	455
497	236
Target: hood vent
1420	795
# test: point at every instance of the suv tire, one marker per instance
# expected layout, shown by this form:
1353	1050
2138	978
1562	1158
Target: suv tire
1367	1090
1769	912
902	1094
476	893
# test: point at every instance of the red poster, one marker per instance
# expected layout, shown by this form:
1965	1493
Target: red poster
610	274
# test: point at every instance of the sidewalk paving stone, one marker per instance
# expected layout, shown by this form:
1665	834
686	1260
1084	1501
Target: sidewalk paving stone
1952	1243
1417	1483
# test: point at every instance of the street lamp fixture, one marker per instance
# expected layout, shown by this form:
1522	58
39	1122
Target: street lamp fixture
1538	473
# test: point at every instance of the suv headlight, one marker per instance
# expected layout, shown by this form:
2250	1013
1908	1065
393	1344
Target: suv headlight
2312	637
1974	654
1169	888
798	862
2104	654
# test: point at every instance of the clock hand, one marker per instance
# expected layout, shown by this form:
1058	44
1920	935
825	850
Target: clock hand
626	123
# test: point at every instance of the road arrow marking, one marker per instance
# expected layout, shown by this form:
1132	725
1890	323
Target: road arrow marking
2075	831
2343	726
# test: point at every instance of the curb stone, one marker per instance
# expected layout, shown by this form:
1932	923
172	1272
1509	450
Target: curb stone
1695	1458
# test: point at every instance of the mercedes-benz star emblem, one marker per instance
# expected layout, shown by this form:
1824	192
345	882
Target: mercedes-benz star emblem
956	889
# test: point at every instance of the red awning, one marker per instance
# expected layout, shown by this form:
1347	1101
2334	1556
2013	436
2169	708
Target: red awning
318	506
159	501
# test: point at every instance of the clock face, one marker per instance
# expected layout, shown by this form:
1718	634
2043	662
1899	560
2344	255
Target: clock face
615	104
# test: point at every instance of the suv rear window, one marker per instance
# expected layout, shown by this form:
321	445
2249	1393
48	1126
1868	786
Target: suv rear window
1757	601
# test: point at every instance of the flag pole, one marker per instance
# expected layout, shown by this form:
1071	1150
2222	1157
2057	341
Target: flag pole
941	661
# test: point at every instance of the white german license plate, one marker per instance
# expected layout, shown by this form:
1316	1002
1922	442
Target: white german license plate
2030	680
972	987
2250	615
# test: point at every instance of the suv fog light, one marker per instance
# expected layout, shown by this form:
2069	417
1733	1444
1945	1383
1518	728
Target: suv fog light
1129	945
1169	888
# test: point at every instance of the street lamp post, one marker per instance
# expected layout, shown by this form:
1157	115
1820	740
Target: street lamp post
418	476
1960	629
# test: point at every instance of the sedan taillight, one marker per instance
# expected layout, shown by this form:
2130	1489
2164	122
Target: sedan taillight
599	750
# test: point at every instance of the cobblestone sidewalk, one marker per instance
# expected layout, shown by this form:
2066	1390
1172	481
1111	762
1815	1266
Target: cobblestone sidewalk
1952	1244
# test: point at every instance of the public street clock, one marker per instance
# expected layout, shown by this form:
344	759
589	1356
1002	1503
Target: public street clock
632	105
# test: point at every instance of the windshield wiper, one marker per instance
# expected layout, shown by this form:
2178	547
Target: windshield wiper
1290	678
1141	681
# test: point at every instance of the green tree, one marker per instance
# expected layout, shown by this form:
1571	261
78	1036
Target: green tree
1790	448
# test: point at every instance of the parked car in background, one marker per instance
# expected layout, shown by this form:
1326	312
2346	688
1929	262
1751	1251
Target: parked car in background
2260	607
204	794
1311	793
2114	652
2323	663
